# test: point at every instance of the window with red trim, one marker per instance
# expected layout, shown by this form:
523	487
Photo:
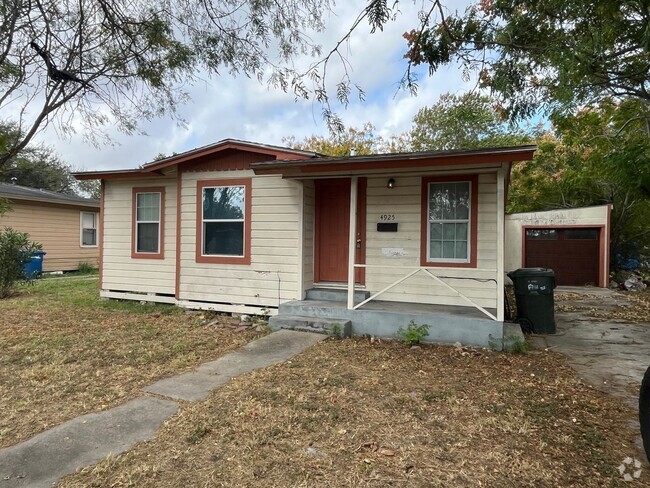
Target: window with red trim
223	221
148	223
449	214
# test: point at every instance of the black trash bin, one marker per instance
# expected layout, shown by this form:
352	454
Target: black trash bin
534	294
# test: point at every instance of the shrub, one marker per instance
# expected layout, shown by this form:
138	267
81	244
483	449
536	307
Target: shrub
15	251
86	268
413	334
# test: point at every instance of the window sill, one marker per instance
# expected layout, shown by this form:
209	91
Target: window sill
447	264
242	260
139	255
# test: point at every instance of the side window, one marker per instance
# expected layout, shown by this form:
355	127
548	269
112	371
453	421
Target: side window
541	234
223	215
148	217
88	236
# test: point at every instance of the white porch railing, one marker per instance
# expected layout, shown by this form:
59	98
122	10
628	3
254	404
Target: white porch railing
426	271
499	272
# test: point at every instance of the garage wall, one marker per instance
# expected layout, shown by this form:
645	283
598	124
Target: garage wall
574	217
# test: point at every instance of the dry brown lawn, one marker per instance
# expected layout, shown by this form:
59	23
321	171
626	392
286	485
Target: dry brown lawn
65	353
362	413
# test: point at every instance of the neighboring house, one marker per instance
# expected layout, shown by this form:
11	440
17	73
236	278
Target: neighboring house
67	226
573	242
252	228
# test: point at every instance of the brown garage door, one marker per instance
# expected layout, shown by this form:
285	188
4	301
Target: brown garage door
573	253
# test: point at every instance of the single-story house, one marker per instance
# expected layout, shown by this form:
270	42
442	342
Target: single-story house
365	243
66	225
573	242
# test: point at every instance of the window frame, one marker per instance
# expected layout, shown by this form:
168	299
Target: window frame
472	238
82	228
224	259
160	254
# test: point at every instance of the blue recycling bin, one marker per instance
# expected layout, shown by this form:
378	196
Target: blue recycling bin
34	267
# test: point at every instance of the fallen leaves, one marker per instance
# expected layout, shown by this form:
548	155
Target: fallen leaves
65	353
438	418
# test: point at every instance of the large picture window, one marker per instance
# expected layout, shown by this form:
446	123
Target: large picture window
148	217
223	221
449	221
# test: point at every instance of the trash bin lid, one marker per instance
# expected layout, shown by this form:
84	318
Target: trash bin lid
537	272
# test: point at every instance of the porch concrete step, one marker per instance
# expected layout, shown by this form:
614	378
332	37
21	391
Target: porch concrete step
335	295
323	325
313	308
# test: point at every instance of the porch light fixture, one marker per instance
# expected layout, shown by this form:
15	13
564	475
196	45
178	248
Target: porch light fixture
391	183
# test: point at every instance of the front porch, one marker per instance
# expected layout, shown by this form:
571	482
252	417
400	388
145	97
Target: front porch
447	323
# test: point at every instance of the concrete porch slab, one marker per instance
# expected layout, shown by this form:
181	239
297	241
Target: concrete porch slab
447	324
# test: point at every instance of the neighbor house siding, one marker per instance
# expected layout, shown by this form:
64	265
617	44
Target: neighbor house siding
402	249
121	272
57	228
273	273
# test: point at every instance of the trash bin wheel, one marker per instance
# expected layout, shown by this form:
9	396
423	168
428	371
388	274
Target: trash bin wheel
526	325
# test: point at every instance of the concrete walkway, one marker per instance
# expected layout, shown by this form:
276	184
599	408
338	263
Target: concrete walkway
610	354
53	454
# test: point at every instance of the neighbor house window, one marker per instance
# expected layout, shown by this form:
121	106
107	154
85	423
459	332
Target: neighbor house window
449	221
89	229
148	223
223	223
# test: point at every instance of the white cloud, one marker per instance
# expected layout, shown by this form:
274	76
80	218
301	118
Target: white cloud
228	107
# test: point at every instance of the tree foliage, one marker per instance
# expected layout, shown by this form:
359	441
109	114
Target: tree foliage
87	63
466	121
40	167
352	141
543	53
599	155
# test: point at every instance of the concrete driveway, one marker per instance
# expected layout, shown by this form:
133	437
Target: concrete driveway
611	354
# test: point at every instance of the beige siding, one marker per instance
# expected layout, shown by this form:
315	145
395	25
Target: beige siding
57	228
402	249
120	271
272	277
309	212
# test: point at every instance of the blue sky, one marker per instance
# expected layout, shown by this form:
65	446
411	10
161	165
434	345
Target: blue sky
227	107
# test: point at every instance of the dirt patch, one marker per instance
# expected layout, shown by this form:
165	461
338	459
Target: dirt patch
361	413
66	353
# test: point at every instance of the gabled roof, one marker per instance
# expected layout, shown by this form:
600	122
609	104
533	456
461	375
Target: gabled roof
419	159
17	192
155	168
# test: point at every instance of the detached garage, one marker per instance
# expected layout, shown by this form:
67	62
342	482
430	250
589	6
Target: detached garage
572	242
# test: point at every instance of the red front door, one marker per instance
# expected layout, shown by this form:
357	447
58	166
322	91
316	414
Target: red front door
333	227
